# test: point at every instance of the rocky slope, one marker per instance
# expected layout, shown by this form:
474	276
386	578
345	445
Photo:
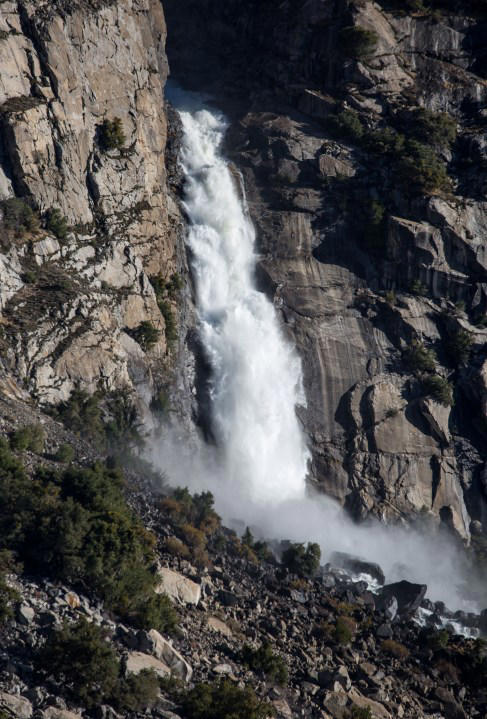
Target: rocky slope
364	260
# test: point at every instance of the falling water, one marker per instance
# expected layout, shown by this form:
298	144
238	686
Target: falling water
256	374
257	471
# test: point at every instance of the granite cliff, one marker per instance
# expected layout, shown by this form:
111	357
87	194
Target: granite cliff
360	131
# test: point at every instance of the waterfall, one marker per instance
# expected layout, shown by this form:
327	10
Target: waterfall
256	374
257	470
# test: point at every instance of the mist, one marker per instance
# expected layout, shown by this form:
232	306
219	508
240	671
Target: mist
257	470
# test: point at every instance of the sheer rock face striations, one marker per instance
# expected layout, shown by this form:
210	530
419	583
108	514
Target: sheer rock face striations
356	295
68	305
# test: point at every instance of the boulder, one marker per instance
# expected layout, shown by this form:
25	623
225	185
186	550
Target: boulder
356	565
25	614
178	587
160	648
378	710
228	599
19	707
218	626
137	661
283	710
408	595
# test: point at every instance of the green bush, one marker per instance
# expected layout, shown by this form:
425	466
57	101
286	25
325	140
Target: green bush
79	656
345	629
361	712
419	166
111	135
357	42
384	141
31	437
116	426
416	287
18	216
346	124
76	527
8	596
421	359
57	223
303	561
223	701
439	389
264	661
65	453
458	345
167	291
137	692
145	334
438	129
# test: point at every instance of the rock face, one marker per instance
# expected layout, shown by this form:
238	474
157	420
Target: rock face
355	295
70	304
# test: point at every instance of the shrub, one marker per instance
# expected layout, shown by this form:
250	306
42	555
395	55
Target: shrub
346	124
177	548
8	595
416	287
165	291
170	332
65	453
357	42
82	414
18	216
360	712
157	612
439	389
420	358
145	334
223	701
299	560
111	135
77	527
395	649
137	692
122	429
438	129
345	629
160	402
57	223
458	346
79	656
384	141
264	661
31	437
419	166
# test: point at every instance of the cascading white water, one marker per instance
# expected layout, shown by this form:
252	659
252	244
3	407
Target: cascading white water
257	473
256	380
